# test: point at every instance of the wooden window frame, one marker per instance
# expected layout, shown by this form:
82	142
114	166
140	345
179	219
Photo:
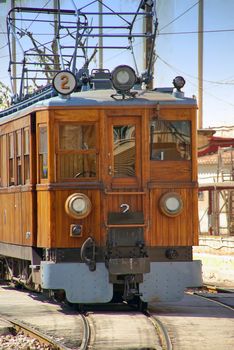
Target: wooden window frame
42	179
11	179
26	155
130	181
180	159
18	156
1	160
93	151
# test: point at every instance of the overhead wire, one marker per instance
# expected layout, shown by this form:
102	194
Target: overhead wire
37	15
175	69
46	34
194	32
167	33
159	33
194	77
178	17
3	47
197	31
40	45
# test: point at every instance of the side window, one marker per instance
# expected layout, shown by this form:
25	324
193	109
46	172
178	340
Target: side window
124	150
1	159
170	140
26	151
43	152
11	163
19	157
76	151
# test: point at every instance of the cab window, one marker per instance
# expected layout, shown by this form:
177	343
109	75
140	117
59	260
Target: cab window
19	157
76	153
43	152
1	158
170	140
26	153
11	155
124	150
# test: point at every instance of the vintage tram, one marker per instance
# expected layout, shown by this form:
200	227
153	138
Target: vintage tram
98	189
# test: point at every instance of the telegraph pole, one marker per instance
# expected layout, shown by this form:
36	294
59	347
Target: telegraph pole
14	72
148	27
200	64
55	44
100	52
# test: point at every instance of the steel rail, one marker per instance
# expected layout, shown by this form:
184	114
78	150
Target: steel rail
42	338
161	331
86	334
212	300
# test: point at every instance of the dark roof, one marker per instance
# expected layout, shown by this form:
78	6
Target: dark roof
215	142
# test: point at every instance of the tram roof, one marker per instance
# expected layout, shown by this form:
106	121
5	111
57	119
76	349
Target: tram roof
104	97
98	98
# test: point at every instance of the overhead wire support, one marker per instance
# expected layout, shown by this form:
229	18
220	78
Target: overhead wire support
75	38
151	56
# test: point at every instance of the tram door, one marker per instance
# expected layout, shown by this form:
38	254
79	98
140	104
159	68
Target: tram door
124	152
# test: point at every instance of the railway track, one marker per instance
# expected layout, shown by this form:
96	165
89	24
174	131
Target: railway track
201	320
54	325
123	330
86	333
189	324
216	295
63	328
31	336
162	332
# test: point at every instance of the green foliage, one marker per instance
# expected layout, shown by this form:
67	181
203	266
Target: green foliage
5	96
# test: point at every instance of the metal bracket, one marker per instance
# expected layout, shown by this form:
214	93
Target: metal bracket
88	244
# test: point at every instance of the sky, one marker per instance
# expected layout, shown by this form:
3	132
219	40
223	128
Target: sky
178	54
176	50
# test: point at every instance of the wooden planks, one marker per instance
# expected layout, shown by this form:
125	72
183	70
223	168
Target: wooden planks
54	223
16	218
179	171
20	210
181	230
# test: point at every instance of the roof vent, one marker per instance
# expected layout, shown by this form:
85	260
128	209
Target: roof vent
101	79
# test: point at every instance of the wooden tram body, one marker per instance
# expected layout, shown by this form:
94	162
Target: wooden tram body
124	156
98	177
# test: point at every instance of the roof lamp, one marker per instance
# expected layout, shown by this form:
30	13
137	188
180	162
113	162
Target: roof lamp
123	78
171	204
179	83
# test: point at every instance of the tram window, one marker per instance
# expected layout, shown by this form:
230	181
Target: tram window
201	195
77	151
77	137
1	160
18	157
43	152
124	150
11	159
26	155
170	140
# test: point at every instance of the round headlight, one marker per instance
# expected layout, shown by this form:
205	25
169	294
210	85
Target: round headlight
78	206
179	83
171	204
123	78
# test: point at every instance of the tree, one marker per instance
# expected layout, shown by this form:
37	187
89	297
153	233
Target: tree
5	96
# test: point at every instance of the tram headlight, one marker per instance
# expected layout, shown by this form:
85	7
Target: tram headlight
179	82
123	78
171	204
78	205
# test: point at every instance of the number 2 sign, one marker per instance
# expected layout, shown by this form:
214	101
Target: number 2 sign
64	82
